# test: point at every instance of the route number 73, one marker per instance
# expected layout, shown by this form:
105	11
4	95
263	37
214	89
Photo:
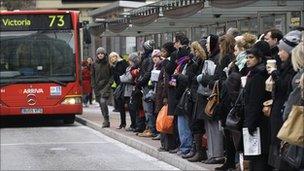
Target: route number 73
58	19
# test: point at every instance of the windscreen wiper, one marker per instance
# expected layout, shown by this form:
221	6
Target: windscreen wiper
56	81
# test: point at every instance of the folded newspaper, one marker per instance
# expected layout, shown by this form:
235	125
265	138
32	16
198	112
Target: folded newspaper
252	143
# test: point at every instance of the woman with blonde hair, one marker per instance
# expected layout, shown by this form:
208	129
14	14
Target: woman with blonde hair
118	67
198	51
198	153
242	43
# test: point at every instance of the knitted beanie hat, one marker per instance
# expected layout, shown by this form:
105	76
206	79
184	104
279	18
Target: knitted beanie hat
290	41
149	45
155	53
100	50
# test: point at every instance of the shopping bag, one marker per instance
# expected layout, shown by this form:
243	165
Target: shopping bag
164	123
292	130
252	143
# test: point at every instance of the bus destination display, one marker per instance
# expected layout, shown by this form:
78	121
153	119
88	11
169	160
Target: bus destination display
35	22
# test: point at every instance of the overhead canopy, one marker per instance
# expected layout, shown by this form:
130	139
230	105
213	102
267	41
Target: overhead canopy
178	15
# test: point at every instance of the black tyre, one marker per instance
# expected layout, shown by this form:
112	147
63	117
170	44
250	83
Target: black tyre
69	119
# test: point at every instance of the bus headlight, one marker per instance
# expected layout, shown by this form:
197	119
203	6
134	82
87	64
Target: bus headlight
72	100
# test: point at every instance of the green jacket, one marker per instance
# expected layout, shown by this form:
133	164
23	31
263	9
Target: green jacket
101	78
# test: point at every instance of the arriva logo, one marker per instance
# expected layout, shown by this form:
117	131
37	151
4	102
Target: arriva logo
33	91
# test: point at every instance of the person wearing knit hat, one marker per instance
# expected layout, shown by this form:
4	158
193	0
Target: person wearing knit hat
100	50
282	78
101	82
155	53
149	45
290	41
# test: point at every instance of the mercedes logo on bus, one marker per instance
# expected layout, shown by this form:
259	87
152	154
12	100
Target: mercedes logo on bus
31	99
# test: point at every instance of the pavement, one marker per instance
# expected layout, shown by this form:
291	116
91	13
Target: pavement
92	117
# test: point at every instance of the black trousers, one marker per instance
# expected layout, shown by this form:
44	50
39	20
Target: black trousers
229	148
121	108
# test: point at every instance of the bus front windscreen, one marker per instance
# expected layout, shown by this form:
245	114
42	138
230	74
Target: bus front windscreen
37	56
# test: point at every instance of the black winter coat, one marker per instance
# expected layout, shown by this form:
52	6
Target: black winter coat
146	67
282	89
119	69
162	87
254	96
184	81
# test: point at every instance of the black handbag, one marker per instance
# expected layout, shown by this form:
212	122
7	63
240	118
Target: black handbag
119	92
233	120
185	104
293	155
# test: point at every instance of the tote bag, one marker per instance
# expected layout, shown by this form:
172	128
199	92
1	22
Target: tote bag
292	130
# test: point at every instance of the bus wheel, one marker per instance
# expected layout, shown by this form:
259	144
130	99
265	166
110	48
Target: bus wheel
69	119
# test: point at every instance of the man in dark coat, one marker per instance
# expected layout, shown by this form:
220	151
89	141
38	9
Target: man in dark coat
101	83
272	37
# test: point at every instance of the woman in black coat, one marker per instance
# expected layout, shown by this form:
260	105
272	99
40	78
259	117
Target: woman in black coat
282	88
118	67
254	96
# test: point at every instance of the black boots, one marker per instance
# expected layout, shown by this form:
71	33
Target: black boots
106	123
200	152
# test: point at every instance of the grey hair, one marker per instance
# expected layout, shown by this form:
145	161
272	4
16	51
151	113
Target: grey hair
134	58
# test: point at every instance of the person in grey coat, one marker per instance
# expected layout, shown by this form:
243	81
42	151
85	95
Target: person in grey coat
101	82
131	73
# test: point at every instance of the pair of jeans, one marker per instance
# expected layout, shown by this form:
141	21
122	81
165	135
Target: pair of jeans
150	116
185	134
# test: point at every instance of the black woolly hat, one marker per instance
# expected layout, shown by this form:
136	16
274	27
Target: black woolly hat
261	49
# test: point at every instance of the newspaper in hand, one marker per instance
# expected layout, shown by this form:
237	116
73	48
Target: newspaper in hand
252	143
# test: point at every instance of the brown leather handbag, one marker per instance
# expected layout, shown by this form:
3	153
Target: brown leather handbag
213	100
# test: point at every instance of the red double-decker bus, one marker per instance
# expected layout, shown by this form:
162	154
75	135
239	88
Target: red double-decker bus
40	64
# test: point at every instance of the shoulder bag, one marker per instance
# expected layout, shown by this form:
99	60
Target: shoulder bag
233	120
292	130
213	100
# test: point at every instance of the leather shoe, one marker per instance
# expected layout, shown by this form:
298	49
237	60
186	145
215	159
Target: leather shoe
214	160
173	151
225	167
121	126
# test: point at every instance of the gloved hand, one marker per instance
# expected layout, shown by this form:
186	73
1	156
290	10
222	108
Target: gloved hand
135	73
251	130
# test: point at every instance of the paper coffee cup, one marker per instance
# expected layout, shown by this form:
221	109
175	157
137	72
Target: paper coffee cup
243	80
272	63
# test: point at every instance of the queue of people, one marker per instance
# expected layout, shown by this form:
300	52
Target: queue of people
242	71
